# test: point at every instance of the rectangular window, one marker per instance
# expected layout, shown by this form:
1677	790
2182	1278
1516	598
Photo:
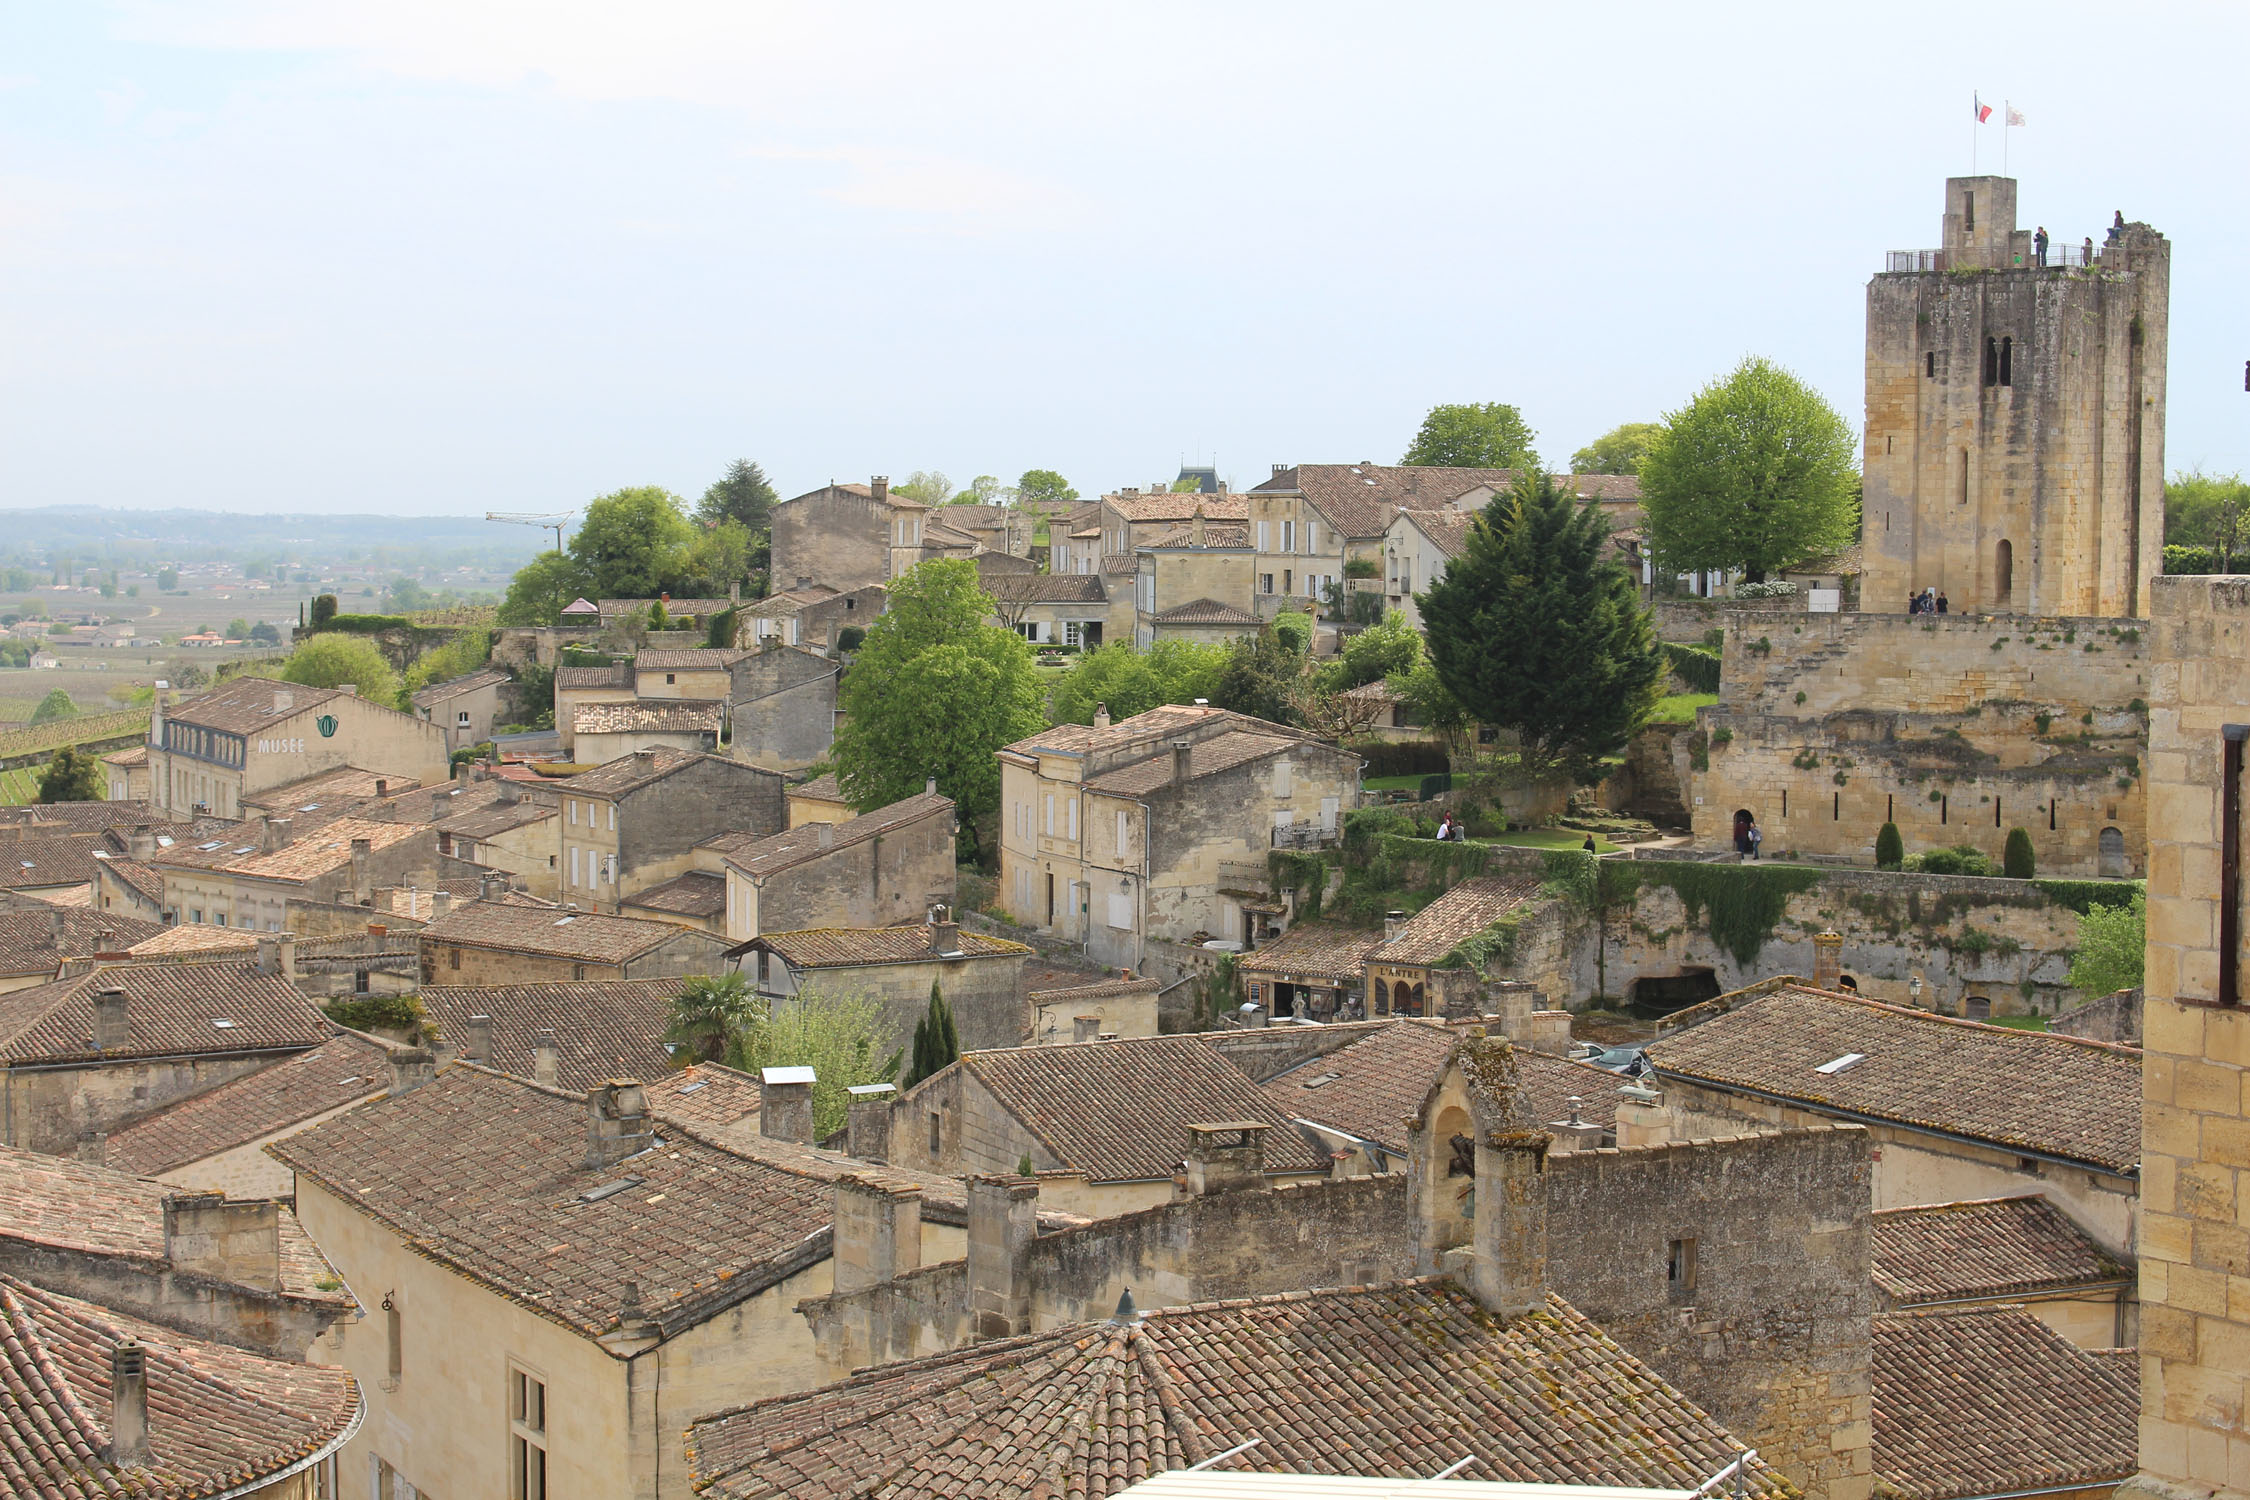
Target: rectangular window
1121	830
574	866
613	817
1050	815
527	1436
574	813
394	1335
1071	807
1679	1271
937	1134
1289	536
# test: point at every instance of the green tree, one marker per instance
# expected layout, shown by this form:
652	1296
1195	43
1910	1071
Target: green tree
717	558
2016	859
56	705
2111	943
834	1035
1487	436
266	633
1130	682
323	607
72	775
1044	487
935	691
744	497
1890	849
1756	473
929	486
456	658
405	596
985	489
332	659
2208	510
1392	648
166	578
1617	451
632	544
1536	628
1295	631
238	629
538	592
937	1041
1260	678
713	1015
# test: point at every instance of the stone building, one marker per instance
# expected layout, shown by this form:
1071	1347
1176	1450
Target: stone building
1101	1011
127	774
636	821
812	616
981	977
1117	835
566	1034
1193	582
1061	609
877	870
601	732
2015	417
1443	961
247	878
515	830
2019	1251
783	708
501	942
1417	548
848	536
210	754
579	687
467	708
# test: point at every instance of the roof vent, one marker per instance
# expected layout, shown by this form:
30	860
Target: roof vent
1842	1064
610	1189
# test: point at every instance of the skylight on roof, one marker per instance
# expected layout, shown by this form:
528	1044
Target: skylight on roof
610	1189
700	1083
214	844
1322	1081
1842	1064
564	921
221	1023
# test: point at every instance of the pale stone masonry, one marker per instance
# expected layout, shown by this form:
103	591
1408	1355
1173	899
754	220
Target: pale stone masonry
2195	1130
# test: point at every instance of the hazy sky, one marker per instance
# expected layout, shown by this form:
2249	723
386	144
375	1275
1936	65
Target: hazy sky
444	255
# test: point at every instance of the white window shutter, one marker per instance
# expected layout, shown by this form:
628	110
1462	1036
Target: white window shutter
1050	815
1121	911
1071	807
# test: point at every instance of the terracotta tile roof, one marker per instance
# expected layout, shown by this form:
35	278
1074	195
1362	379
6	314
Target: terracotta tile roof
329	792
706	1097
587	937
340	1071
629	773
1206	758
1361	498
1100	990
1215	538
435	804
1433	933
1989	1400
88	817
700	659
171	1011
761	857
194	937
137	755
1368	1088
1046	588
220	1418
821	788
1119	1111
604	1028
1115	564
248	704
1319	949
454	687
1325	1380
1448	529
1163	505
61	1203
486	1174
57	859
308	855
648	716
81	896
936	533
31	944
697	894
1206	612
1153	725
2056	1095
495	818
853	947
1986	1247
615	675
146	879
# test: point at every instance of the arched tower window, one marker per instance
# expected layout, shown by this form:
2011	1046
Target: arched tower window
2008	361
1991	361
2003	574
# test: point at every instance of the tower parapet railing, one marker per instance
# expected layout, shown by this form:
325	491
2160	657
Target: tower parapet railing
2058	255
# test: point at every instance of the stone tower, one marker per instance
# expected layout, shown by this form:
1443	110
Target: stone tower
2015	416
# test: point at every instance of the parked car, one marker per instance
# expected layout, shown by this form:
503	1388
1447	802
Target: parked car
1625	1060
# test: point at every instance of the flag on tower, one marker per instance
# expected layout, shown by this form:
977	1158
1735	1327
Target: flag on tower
2015	116
1983	110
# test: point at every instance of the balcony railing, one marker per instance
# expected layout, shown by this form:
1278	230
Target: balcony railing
2058	254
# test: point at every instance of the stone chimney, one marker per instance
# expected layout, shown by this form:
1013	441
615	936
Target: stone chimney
441	902
867	1133
1101	716
929	786
128	1405
785	1112
878	1232
945	933
1575	1133
1510	1003
491	885
1226	1156
507	794
1642	1119
1478	1185
277	834
1003	1217
880	487
1195	526
382	787
546	1058
1085	1028
141	844
644	762
476	1040
363	878
824	835
113	1026
411	1067
1827	959
285	954
1180	749
617	1122
1392	921
205	1235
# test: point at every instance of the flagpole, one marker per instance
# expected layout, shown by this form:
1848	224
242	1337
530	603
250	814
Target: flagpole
2006	111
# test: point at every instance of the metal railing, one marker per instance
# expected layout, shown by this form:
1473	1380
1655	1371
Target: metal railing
2058	254
1303	836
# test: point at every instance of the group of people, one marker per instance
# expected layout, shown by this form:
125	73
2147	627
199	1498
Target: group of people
1927	602
1448	831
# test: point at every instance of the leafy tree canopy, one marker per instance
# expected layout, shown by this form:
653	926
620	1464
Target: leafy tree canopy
1488	436
1536	628
930	486
72	775
1617	451
838	1036
456	658
331	660
1754	473
237	629
266	633
2208	510
1132	682
538	592
985	489
1391	648
632	544
1045	486
1260	678
935	691
2112	942
745	497
56	705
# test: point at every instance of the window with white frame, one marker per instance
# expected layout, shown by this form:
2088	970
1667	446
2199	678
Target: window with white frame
1289	536
1070	806
527	1435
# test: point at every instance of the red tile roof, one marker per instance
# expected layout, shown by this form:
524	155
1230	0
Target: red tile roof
1432	934
1152	726
582	936
705	1097
604	1028
1448	529
338	1072
695	894
1206	758
31	944
1321	950
1166	505
852	947
454	687
648	716
248	704
1986	1247
172	1010
2056	1095
219	1418
1329	1382
1990	1401
1207	612
759	857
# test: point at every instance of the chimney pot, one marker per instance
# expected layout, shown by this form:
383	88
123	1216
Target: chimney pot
348	689
1085	1028
785	1110
868	1121
128	1405
824	835
1226	1156
929	786
476	1043
277	834
441	902
1180	749
1828	960
1101	716
1392	922
617	1122
945	933
880	487
546	1058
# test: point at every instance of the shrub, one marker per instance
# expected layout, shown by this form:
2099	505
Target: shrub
1961	859
1694	666
365	624
1294	631
1436	785
2016	860
849	638
1890	849
1772	588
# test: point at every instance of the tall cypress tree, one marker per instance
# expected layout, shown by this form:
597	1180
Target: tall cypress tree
937	1041
1538	628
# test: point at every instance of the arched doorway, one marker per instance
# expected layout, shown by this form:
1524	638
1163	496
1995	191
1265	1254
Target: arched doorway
1977	1008
1382	999
2003	574
1743	818
2112	860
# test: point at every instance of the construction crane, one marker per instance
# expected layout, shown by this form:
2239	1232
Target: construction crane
553	520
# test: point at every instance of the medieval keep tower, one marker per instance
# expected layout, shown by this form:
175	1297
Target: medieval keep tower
2015	416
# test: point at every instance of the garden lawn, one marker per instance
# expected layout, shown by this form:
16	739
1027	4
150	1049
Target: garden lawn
1391	784
1546	838
1679	708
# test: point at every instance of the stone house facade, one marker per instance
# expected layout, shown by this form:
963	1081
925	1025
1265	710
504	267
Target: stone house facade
981	977
212	753
509	942
1194	581
635	822
249	878
878	870
848	536
467	708
783	706
1418	546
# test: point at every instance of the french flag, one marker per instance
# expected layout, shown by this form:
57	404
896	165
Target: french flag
1984	110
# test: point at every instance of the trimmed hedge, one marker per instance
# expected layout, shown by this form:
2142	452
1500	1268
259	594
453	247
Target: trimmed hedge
366	624
1694	665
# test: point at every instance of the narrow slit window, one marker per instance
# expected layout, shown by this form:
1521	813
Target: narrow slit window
1679	1270
2008	361
1991	361
1929	364
1836	813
